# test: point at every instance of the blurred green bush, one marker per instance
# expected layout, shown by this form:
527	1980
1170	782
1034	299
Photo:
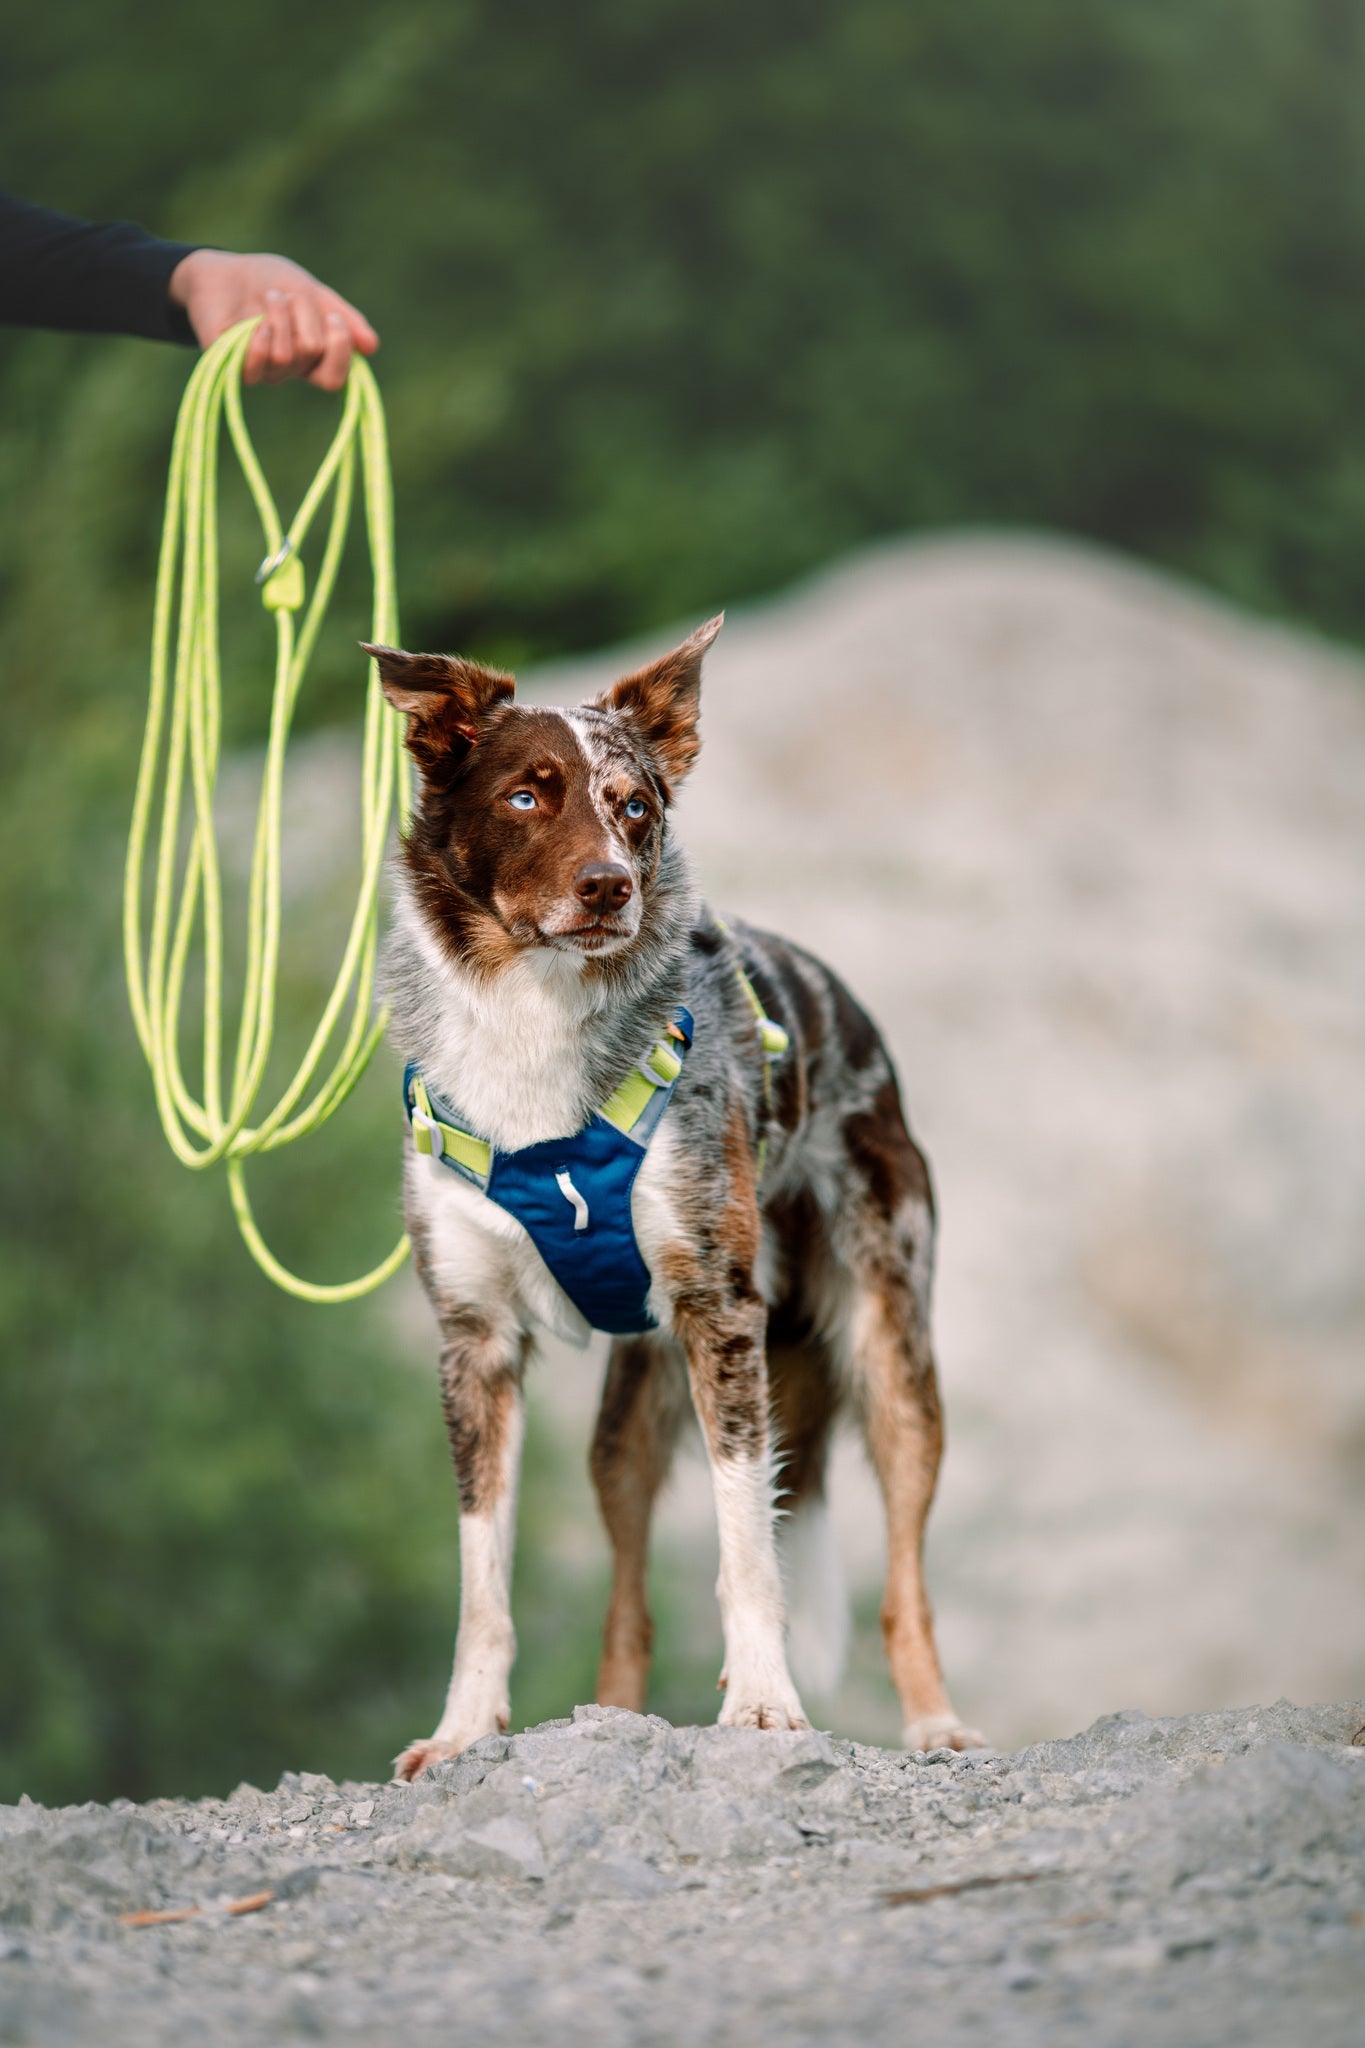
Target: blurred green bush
677	301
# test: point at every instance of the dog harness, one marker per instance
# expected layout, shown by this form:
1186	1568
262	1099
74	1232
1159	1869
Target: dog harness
573	1194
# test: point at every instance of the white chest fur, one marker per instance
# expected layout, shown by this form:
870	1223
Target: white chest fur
507	1052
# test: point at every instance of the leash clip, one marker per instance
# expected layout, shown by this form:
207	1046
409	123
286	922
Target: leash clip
275	561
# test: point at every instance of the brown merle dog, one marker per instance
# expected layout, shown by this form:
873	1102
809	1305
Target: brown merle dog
546	928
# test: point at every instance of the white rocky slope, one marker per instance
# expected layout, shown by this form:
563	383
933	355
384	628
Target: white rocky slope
1092	848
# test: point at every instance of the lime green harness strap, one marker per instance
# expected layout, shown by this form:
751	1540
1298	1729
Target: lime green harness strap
773	1040
623	1109
181	900
431	1136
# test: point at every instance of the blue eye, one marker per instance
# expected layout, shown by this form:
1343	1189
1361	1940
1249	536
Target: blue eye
635	808
522	800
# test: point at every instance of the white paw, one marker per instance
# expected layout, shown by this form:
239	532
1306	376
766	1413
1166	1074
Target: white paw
941	1731
770	1705
439	1748
420	1756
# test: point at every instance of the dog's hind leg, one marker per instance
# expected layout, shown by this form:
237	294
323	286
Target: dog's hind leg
481	1372
644	1402
805	1389
893	1369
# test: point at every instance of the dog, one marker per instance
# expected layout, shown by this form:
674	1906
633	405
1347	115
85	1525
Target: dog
626	1114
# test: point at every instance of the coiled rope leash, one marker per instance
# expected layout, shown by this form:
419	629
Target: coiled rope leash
184	724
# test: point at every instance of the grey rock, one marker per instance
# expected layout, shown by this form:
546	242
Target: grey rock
618	1876
493	1835
751	1757
1278	1811
1197	1882
706	1825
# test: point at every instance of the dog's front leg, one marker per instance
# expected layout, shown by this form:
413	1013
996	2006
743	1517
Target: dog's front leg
728	1370
481	1370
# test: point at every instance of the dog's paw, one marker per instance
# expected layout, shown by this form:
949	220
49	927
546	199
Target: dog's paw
770	1706
941	1731
438	1749
420	1756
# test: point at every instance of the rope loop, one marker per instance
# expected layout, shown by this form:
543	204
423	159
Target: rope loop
180	756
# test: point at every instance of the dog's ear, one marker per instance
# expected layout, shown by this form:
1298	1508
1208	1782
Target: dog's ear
663	702
447	702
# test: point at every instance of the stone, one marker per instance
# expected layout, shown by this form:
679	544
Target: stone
1197	1881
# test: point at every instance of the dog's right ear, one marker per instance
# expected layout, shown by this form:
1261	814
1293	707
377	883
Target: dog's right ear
447	703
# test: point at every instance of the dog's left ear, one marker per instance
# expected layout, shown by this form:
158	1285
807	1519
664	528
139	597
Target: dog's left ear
663	702
447	701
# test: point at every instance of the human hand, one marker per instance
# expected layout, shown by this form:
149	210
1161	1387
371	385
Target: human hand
307	330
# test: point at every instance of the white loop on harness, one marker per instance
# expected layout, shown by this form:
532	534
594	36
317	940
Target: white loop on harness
423	1122
571	1194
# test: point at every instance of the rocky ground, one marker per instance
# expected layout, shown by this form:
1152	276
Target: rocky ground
612	1879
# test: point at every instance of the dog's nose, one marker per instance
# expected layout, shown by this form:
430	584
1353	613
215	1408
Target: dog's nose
603	885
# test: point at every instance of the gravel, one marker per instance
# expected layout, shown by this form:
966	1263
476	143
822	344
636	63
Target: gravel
611	1878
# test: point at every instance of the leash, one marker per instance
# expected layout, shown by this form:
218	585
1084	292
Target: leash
180	753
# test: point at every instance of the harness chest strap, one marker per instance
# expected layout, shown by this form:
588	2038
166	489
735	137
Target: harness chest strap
573	1194
623	1108
434	1137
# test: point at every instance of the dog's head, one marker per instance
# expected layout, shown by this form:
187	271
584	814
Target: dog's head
536	827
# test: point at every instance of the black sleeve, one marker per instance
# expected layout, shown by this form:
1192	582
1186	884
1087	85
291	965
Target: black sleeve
105	278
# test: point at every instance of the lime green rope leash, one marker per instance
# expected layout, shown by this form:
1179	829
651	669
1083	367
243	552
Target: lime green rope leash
180	753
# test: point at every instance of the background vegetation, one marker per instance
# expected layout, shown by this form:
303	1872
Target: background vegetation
677	301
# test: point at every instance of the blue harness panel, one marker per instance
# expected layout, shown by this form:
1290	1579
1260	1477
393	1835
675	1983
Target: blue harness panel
573	1197
599	1267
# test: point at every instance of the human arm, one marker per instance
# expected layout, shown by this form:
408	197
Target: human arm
112	277
107	277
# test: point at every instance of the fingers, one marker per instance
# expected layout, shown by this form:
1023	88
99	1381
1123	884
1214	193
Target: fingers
304	328
329	373
311	333
273	345
361	332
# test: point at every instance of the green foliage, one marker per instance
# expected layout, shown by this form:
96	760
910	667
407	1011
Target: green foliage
677	300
